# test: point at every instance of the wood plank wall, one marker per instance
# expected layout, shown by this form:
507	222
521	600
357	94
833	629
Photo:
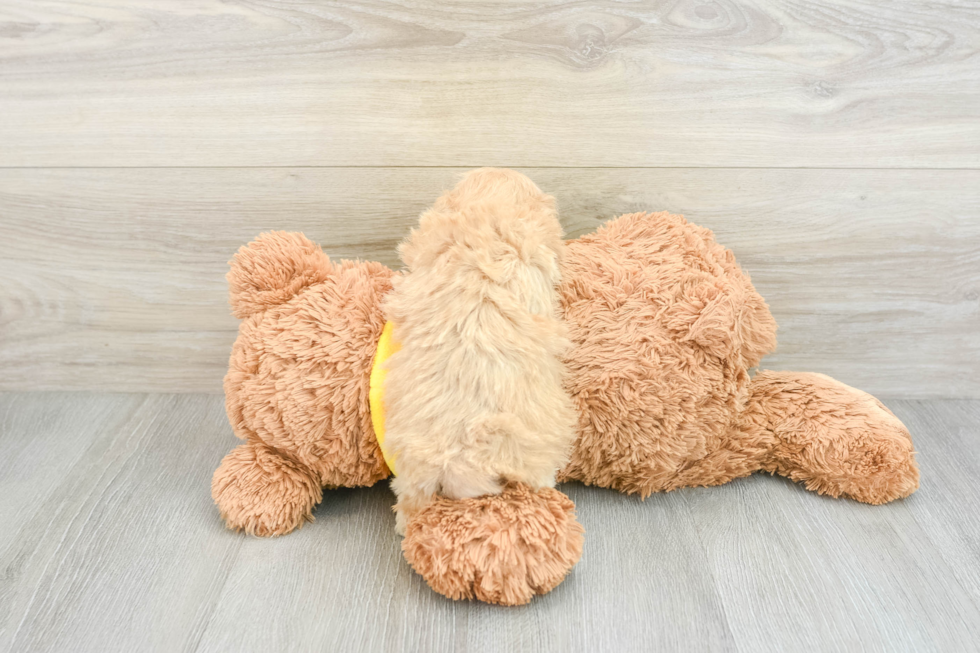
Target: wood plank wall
834	145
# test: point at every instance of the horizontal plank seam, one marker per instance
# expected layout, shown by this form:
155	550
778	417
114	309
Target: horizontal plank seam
884	397
477	165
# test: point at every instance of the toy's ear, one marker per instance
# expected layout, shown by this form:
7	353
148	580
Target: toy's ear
271	269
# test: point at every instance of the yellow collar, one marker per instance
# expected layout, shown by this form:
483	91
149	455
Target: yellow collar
387	346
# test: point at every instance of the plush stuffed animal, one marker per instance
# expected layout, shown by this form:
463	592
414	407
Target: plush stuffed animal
664	327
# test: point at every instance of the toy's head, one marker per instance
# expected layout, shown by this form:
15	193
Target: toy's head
298	378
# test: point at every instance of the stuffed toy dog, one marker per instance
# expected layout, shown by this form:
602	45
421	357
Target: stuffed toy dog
650	325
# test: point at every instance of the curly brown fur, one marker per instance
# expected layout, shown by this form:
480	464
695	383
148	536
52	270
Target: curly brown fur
503	548
262	493
298	379
835	439
666	327
273	269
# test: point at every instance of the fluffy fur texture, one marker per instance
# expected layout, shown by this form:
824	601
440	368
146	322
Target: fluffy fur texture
835	439
501	548
298	380
664	329
474	397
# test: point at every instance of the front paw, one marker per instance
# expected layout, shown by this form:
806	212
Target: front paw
503	548
260	492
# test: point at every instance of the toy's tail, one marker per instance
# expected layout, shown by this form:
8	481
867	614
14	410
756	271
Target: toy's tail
272	269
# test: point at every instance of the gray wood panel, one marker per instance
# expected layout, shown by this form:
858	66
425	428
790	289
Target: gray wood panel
115	546
114	279
108	553
834	83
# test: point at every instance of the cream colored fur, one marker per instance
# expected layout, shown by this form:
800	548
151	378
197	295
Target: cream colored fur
474	397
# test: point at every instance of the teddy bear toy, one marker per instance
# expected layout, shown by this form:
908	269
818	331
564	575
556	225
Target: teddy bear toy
664	329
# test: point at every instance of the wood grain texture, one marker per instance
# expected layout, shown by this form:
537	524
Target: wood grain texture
107	552
115	546
114	279
832	83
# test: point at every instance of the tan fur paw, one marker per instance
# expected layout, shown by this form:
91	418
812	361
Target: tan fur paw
503	548
262	493
878	466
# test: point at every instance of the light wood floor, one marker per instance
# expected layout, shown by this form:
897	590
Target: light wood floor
110	542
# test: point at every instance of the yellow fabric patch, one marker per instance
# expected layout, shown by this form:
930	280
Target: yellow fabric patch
386	347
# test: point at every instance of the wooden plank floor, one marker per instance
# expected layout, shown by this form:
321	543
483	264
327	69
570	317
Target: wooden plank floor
110	543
